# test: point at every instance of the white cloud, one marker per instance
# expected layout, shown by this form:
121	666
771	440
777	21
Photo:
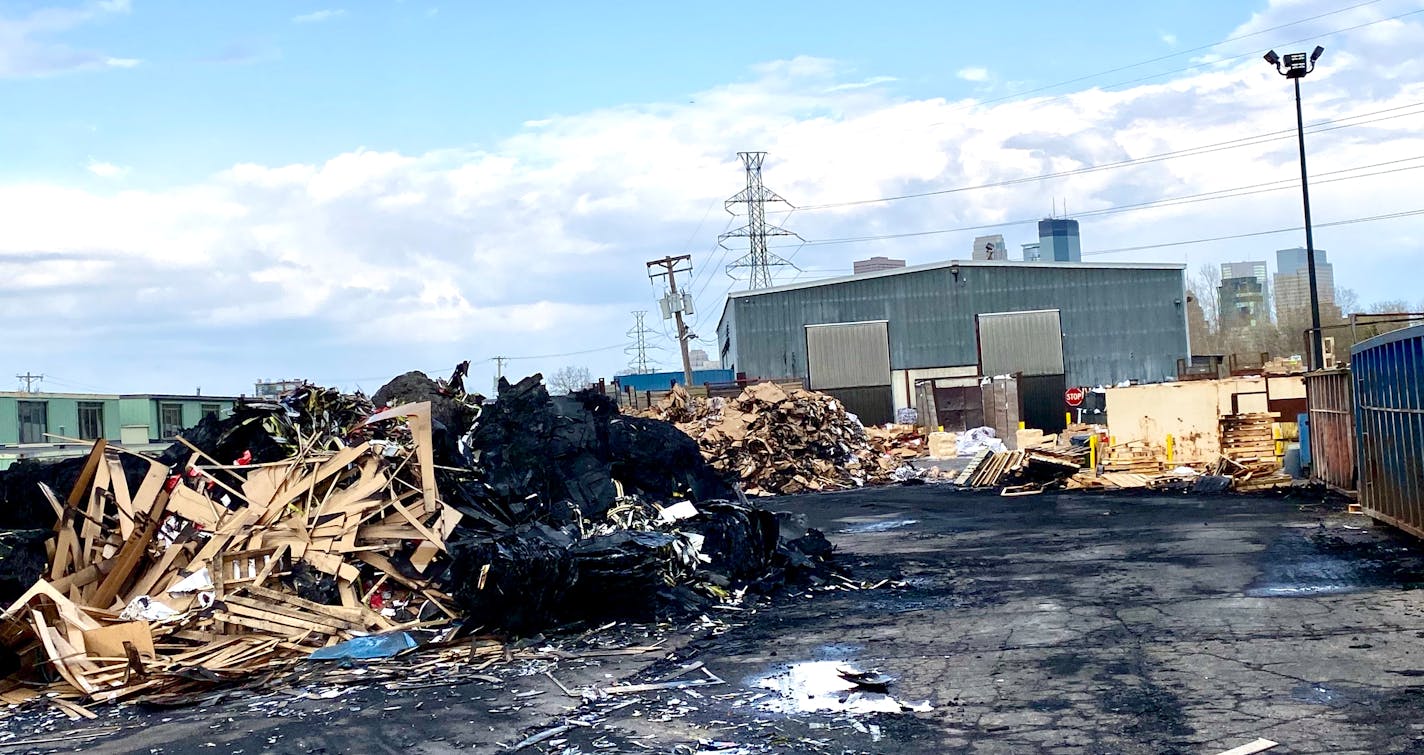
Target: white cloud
372	262
28	44
316	17
973	73
1168	39
106	169
866	84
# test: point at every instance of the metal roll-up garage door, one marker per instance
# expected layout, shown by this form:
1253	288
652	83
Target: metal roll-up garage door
1029	344
851	361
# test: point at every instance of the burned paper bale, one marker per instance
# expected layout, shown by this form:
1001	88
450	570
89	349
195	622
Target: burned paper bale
659	461
518	579
739	543
21	504
627	573
450	407
532	449
22	561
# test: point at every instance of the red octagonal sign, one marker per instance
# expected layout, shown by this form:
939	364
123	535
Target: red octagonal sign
1074	396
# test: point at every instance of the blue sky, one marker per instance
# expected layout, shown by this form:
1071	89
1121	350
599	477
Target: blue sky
219	83
347	190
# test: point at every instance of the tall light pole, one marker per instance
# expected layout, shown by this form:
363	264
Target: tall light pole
1295	66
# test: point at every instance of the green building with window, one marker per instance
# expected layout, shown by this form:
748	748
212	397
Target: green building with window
37	424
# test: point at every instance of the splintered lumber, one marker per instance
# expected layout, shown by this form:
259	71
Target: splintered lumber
1250	748
187	573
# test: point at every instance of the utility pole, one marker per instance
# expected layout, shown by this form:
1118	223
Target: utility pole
755	196
30	381
638	349
674	304
498	371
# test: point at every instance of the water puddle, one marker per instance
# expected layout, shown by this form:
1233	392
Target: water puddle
1296	566
881	526
829	687
1318	694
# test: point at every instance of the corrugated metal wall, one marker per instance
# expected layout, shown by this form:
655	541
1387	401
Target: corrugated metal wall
1027	342
1388	374
1119	323
1332	428
848	355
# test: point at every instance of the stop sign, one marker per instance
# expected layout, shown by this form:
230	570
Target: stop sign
1074	396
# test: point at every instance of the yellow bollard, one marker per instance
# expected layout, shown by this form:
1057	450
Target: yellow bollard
1093	453
1169	448
1021	425
1067	418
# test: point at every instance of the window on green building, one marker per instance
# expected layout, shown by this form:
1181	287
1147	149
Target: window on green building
34	421
91	420
211	410
170	419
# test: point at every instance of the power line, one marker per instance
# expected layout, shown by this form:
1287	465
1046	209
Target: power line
1292	229
975	103
1178	54
1247	235
1166	201
557	356
1205	149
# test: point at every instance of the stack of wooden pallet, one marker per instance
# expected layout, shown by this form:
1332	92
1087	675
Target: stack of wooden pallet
994	468
1136	457
194	579
1249	438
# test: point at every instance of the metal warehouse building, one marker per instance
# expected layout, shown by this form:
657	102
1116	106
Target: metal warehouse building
874	340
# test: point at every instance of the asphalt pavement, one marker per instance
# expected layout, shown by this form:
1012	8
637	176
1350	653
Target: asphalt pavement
1060	623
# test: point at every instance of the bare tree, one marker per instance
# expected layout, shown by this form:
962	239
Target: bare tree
570	379
1388	307
1203	314
1347	300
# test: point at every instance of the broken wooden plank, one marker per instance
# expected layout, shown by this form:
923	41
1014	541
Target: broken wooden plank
1259	745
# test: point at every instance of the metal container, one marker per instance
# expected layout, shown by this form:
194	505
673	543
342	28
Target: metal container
1389	427
1331	427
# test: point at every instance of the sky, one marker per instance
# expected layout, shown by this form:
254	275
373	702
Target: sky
195	196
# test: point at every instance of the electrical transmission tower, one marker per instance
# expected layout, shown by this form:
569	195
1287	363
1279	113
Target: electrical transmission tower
637	351
755	196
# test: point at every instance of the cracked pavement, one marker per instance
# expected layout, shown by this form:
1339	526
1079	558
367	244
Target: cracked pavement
1079	623
1058	623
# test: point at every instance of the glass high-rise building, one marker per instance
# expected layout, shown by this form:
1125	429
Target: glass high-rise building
1058	240
1292	284
1256	301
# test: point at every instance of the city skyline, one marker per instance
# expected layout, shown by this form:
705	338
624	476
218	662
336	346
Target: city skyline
272	188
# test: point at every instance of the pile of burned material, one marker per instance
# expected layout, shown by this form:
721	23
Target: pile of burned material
317	521
780	441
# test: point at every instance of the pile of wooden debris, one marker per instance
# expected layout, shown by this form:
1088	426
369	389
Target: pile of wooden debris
219	571
1022	472
780	441
317	527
